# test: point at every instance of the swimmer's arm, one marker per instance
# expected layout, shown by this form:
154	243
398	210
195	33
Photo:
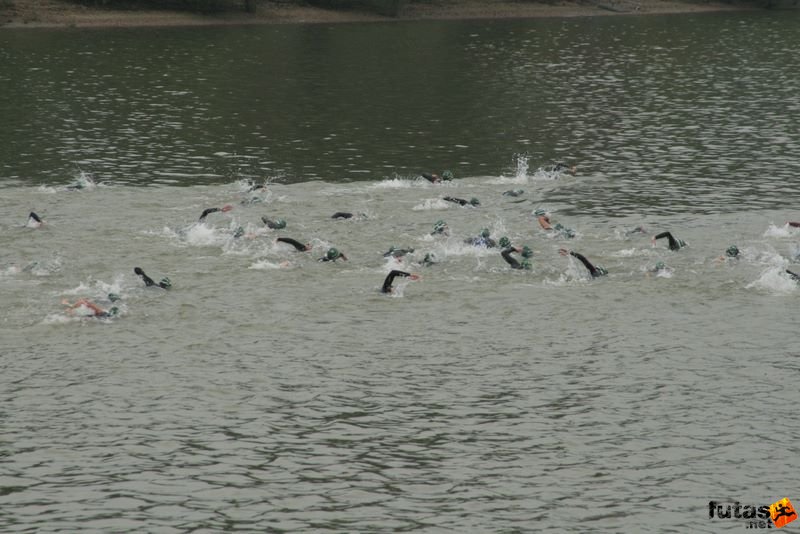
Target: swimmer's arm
544	222
510	259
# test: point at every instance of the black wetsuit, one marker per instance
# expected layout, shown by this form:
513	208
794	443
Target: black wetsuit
207	212
387	284
512	261
149	282
300	247
460	201
594	271
35	217
674	244
794	276
342	215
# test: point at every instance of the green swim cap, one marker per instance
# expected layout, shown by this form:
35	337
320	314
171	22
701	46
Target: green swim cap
732	251
165	283
439	227
447	175
526	265
280	224
113	311
526	252
485	233
474	201
601	271
332	254
504	242
113	297
660	265
539	212
239	232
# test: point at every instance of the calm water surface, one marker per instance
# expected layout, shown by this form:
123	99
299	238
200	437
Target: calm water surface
267	391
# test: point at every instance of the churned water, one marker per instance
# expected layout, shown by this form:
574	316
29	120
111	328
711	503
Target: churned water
269	391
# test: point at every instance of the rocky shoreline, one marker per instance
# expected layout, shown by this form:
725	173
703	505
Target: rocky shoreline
56	13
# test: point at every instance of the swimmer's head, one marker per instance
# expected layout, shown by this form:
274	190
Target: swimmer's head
539	212
239	232
332	254
660	265
139	271
439	227
732	251
113	297
447	175
601	271
113	311
504	242
527	252
526	264
474	201
166	283
485	233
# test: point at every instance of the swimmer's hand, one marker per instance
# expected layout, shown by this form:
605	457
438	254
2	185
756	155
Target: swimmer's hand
226	207
413	277
563	252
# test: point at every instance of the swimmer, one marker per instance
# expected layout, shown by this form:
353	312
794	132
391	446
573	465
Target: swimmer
34	221
526	253
342	215
94	309
397	252
387	283
280	224
659	267
794	224
333	255
149	282
731	253
513	192
429	259
435	178
474	202
594	271
208	211
637	230
674	244
544	222
440	228
483	240
560	167
298	246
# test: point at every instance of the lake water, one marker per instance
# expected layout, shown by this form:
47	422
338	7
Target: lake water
268	391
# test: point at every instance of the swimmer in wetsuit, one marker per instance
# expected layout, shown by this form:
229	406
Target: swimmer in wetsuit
513	192
149	282
387	283
298	246
280	224
333	255
342	215
440	228
471	202
397	252
208	211
34	221
594	271
512	261
674	244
